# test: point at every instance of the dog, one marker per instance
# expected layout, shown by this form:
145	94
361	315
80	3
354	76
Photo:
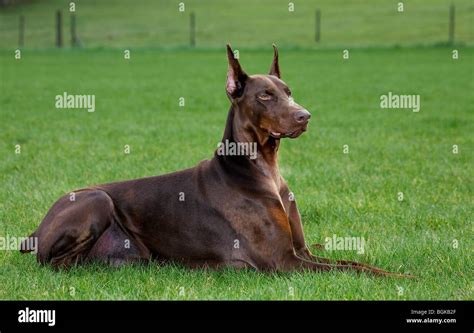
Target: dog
230	211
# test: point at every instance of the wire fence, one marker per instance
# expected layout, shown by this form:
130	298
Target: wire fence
212	24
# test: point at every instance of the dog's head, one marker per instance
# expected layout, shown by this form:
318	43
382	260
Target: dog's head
264	102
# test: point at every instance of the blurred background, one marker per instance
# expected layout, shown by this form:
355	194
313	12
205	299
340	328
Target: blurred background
211	24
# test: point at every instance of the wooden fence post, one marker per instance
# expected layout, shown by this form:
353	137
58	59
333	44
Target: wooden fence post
74	40
451	23
59	35
192	29
317	36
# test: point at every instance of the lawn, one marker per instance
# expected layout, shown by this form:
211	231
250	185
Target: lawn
428	233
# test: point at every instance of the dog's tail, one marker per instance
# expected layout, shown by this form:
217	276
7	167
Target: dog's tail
29	244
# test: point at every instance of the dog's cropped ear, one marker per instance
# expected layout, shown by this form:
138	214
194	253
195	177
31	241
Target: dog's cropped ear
236	76
275	69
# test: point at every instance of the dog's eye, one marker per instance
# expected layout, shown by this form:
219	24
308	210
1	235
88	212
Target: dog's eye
264	96
288	91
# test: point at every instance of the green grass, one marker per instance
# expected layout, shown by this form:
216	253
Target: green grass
145	23
348	195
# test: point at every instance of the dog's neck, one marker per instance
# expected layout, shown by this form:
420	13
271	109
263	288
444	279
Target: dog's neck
239	129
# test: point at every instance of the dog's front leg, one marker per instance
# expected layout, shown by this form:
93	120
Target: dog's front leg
291	261
303	252
297	232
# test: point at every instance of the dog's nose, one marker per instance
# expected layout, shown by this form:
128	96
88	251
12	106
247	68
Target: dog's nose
302	116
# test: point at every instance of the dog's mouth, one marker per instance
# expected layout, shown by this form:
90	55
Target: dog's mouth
290	134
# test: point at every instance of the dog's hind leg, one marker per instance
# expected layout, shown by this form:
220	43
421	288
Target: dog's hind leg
71	227
116	247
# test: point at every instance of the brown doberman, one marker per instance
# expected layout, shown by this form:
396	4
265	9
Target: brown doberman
233	210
